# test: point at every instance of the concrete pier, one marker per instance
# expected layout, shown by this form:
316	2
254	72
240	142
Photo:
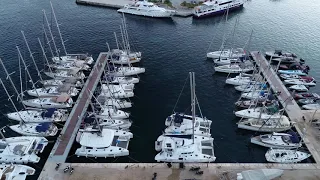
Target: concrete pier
310	137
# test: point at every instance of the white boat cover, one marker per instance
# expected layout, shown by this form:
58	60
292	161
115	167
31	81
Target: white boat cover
261	174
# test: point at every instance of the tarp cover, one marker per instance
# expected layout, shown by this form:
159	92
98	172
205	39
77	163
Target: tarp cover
43	127
49	112
261	174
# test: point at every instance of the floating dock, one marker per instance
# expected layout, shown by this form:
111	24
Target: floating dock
292	109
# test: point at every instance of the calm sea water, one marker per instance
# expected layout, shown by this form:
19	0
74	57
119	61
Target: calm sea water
171	48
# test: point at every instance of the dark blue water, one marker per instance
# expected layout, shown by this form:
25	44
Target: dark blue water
171	48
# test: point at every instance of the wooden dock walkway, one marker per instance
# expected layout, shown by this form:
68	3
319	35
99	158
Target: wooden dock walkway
63	144
290	106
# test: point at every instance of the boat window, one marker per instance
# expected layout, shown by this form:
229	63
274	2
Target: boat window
89	148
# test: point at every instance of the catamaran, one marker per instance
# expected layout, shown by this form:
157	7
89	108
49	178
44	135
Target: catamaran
15	172
145	8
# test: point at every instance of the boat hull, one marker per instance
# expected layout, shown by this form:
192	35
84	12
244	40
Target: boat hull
257	141
154	14
262	129
215	13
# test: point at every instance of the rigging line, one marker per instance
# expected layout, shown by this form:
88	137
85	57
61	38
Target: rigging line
199	107
133	159
180	94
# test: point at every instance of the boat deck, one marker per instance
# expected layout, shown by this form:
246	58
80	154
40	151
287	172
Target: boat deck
64	142
290	106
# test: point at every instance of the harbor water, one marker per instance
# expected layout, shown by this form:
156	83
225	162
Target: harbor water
170	49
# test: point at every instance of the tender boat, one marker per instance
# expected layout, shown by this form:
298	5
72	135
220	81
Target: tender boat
181	124
315	106
280	54
104	143
184	150
15	172
306	95
268	125
286	156
73	58
63	101
35	129
268	112
297	72
227	53
64	74
212	8
278	140
121	57
118	103
40	115
299	88
126	71
300	82
145	8
22	149
56	82
120	80
261	174
233	68
54	91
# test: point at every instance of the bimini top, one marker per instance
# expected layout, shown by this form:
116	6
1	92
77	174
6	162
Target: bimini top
43	127
48	113
92	139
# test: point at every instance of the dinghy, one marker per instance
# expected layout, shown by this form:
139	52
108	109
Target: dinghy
285	156
299	88
39	115
35	129
227	53
297	72
267	125
63	101
22	149
315	106
233	68
278	140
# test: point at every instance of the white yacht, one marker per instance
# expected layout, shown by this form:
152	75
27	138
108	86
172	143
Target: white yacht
54	91
126	71
314	106
65	74
277	140
298	88
35	129
239	80
227	53
233	68
22	149
175	149
63	101
120	93
123	57
40	115
286	156
73	58
71	66
215	7
118	103
268	125
145	8
115	88
120	80
111	112
182	124
251	87
58	82
300	81
256	94
117	124
271	111
104	143
15	172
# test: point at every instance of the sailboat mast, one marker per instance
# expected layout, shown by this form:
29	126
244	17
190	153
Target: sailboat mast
52	38
123	39
44	55
96	120
14	87
47	39
55	19
31	55
193	105
5	89
126	33
115	36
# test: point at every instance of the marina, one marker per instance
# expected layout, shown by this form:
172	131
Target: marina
124	114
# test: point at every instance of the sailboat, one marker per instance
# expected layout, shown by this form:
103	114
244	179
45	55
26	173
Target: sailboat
256	94
126	71
227	53
35	129
111	112
241	79
266	112
120	80
233	68
63	101
265	125
196	148
65	74
54	91
71	65
58	82
286	155
15	172
40	115
299	88
113	87
288	140
251	87
118	103
22	149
